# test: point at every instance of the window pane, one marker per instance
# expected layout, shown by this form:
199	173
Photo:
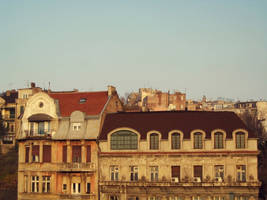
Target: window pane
175	141
124	140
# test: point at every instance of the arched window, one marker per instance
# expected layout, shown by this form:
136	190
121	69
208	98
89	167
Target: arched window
198	144
175	141
218	140
240	140
124	140
154	141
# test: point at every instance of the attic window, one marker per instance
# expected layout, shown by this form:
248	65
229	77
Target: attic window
76	126
83	100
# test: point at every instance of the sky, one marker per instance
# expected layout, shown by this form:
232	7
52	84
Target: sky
214	48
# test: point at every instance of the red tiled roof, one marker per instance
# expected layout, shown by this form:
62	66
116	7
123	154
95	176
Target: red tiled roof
186	121
70	101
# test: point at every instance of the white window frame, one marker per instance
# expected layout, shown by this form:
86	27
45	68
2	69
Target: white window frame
76	188
134	173
76	126
35	184
154	173
46	184
114	173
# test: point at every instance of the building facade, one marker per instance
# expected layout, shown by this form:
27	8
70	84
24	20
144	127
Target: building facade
177	156
58	153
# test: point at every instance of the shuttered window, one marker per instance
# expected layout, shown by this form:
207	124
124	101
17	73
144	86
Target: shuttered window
27	152
35	153
154	141
198	171
88	153
218	140
64	154
176	172
76	153
175	140
240	140
47	153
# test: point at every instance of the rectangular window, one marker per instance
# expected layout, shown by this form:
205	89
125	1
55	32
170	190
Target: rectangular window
241	173
47	153
198	141
175	173
27	152
219	173
154	198
154	173
35	184
64	187
197	173
76	188
134	173
35	153
114	173
240	140
25	183
154	141
88	153
76	153
46	184
76	126
218	140
88	188
64	154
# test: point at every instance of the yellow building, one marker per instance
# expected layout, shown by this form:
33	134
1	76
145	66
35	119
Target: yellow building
57	144
177	156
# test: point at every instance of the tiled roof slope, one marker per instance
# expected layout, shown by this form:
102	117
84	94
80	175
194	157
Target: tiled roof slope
70	101
186	121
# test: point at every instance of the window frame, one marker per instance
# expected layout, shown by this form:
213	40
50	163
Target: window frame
218	139
241	174
134	173
35	184
154	145
123	139
154	173
114	172
198	140
46	184
174	144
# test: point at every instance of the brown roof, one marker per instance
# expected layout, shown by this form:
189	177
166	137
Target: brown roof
165	121
92	102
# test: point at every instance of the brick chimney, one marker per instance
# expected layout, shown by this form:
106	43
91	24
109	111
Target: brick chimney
111	90
32	85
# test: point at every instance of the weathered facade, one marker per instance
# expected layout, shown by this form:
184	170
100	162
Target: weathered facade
177	156
57	144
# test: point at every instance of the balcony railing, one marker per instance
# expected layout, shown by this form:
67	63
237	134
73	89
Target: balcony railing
77	167
38	133
183	184
78	196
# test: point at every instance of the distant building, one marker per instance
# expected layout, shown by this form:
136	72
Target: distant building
148	99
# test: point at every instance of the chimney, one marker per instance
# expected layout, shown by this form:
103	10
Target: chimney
32	85
111	90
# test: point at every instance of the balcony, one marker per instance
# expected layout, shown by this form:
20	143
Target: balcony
78	196
77	167
38	133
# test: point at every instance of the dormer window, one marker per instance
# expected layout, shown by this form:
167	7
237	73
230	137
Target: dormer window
76	126
83	100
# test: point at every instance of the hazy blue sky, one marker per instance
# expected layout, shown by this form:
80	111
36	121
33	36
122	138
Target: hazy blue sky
211	47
